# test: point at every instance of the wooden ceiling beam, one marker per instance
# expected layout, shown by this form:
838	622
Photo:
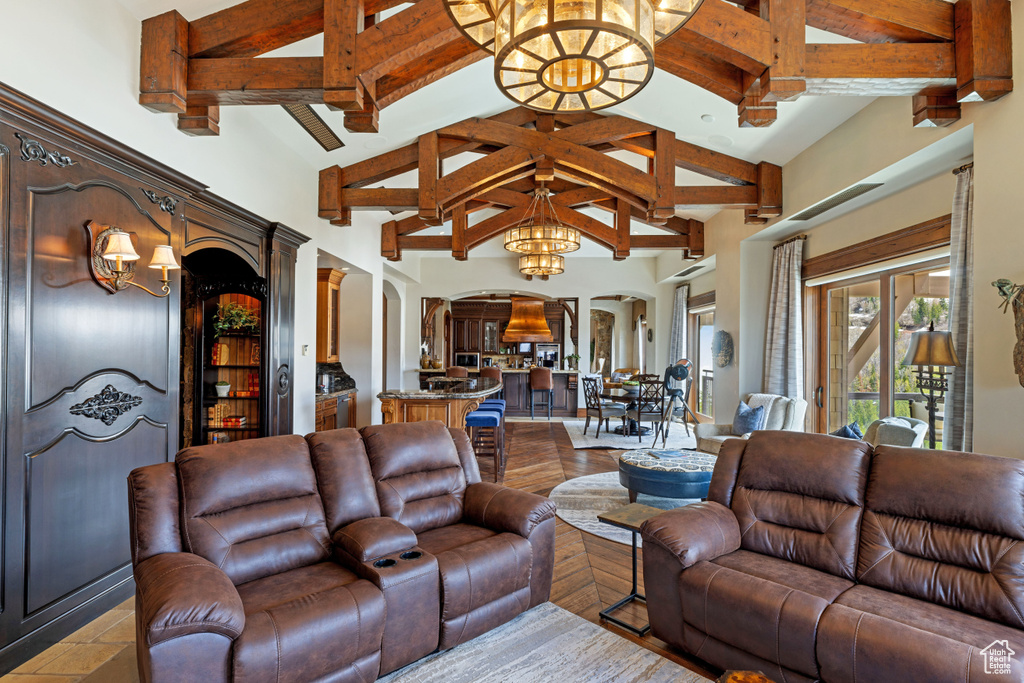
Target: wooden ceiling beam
935	110
717	196
487	173
681	59
380	199
984	50
343	22
730	34
255	27
431	67
784	79
888	61
424	242
268	80
393	43
884	21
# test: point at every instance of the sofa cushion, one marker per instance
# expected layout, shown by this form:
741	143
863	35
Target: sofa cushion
713	444
343	474
870	634
252	507
419	476
485	582
723	598
947	528
747	419
309	624
799	497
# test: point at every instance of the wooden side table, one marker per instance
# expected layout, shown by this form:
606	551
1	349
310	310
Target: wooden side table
629	517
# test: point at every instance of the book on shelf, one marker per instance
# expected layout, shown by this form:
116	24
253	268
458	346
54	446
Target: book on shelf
219	354
234	421
243	394
218	437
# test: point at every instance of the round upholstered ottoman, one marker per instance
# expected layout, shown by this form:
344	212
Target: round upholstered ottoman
666	473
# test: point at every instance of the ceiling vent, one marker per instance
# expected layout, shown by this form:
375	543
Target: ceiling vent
688	271
835	200
314	125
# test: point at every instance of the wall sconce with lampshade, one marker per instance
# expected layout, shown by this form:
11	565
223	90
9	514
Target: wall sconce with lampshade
931	353
113	256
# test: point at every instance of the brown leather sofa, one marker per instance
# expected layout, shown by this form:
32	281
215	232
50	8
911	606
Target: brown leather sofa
816	558
339	557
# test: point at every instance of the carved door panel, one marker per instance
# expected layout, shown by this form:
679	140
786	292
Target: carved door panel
91	381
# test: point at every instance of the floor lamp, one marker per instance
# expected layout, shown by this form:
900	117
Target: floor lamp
931	353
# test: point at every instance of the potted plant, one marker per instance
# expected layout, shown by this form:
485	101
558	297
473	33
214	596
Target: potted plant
232	317
222	388
574	359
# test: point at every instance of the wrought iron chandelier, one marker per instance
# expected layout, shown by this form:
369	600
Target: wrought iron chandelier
540	232
541	264
570	55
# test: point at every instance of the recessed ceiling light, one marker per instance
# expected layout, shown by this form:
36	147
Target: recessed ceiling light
707	118
346	269
376	142
720	140
483	292
515	292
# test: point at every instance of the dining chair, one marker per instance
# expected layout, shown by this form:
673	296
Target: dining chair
596	407
649	405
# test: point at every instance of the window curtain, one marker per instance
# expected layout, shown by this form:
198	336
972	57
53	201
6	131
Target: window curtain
677	335
958	421
784	348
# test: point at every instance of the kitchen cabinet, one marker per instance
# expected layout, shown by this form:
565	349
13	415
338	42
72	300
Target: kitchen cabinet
473	336
490	336
335	412
328	314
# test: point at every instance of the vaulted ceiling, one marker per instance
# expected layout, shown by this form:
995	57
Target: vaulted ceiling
753	55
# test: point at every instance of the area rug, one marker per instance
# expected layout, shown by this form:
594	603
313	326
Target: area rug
677	437
545	645
581	500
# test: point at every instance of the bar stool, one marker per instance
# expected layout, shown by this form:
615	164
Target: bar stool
457	371
540	380
492	372
491	422
498	405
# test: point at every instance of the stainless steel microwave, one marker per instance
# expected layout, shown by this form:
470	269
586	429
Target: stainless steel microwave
467	360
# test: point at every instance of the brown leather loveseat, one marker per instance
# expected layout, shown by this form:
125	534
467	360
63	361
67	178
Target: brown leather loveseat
816	558
339	557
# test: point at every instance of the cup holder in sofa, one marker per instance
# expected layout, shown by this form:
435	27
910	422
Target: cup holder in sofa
411	555
386	562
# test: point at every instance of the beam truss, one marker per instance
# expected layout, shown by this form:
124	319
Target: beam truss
518	151
752	54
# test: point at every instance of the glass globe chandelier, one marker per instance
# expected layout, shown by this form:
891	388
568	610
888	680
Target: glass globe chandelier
570	55
541	264
540	231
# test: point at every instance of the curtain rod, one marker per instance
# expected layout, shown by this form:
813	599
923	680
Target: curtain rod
791	239
965	167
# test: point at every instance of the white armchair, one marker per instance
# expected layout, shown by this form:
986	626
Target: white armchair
786	414
897	431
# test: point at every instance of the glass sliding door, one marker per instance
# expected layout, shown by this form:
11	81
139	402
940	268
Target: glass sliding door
866	328
702	326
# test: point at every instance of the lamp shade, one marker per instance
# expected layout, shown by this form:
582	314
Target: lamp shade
119	244
163	257
527	323
931	348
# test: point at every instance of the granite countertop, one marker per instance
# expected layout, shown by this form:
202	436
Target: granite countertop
510	371
335	394
448	388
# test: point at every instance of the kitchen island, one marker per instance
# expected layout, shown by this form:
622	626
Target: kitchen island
448	399
517	392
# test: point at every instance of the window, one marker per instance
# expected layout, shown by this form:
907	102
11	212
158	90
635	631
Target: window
866	325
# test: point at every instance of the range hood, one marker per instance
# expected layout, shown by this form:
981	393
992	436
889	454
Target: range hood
527	323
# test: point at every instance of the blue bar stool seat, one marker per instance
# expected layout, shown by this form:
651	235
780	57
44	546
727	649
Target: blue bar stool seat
487	434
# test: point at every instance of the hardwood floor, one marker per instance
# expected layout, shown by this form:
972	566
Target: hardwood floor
591	573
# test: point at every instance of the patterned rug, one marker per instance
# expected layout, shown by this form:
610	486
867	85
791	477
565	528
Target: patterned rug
677	437
545	645
581	500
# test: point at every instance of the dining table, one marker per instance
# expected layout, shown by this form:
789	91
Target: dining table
629	398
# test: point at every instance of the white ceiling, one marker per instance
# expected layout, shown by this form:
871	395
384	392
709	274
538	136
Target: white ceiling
666	101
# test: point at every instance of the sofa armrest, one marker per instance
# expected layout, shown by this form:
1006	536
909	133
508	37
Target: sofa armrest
503	509
701	531
706	430
180	594
373	537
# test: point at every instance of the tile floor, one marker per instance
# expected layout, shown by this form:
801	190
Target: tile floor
83	652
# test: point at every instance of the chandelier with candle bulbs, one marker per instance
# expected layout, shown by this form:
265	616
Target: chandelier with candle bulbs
570	55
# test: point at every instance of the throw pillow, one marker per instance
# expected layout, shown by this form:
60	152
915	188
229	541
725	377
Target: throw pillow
850	431
747	419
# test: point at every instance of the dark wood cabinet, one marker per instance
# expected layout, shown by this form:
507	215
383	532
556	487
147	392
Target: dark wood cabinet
335	412
515	392
459	335
473	336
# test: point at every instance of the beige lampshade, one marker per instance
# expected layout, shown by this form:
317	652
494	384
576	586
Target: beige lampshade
931	348
163	257
119	244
